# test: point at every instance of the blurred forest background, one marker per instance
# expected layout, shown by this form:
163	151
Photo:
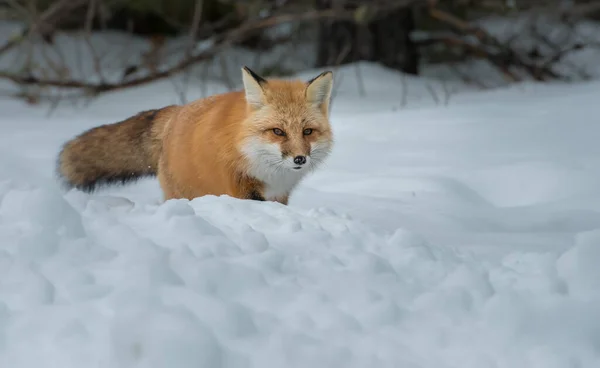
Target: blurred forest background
211	39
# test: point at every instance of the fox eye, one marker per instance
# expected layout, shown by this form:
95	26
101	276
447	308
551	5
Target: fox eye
278	132
308	131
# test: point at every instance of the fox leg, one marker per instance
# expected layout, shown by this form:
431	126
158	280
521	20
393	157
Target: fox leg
165	183
255	195
244	187
283	200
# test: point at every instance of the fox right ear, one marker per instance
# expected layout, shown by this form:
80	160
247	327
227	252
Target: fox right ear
253	87
318	90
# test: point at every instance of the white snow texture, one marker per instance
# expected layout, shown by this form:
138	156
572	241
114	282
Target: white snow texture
459	236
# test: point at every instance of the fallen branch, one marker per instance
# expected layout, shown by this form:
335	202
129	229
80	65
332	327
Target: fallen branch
499	54
44	24
220	42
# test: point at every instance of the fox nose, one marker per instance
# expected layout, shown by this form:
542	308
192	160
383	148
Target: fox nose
300	160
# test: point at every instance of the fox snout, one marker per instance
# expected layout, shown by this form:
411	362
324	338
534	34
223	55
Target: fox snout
296	153
298	161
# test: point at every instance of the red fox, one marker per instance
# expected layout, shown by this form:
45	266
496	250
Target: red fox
256	143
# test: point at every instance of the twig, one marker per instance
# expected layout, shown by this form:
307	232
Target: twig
87	37
43	23
466	78
362	91
433	93
480	52
195	24
404	84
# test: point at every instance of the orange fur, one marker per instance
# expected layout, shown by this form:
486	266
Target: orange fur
247	144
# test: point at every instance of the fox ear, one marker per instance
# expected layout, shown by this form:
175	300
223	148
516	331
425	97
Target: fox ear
318	89
253	86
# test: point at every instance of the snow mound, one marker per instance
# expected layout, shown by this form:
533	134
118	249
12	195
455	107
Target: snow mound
220	282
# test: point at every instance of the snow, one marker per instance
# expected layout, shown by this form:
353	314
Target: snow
464	234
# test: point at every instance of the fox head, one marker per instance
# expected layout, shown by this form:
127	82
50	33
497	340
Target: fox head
288	127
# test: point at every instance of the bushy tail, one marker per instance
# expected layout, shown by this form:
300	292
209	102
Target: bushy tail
115	153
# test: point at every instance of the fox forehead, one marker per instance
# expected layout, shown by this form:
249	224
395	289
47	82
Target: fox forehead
290	117
288	98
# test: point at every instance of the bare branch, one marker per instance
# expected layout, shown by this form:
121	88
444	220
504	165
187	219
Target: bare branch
499	54
220	42
44	23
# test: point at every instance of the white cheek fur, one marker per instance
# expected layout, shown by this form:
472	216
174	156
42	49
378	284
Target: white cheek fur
319	151
263	158
266	164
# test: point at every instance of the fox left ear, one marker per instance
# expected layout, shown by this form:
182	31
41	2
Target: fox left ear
318	90
253	86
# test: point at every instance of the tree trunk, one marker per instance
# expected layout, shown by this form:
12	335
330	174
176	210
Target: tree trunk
385	40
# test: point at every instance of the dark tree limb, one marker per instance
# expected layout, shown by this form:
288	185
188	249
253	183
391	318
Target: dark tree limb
220	42
501	55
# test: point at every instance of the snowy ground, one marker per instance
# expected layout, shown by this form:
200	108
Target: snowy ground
458	236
